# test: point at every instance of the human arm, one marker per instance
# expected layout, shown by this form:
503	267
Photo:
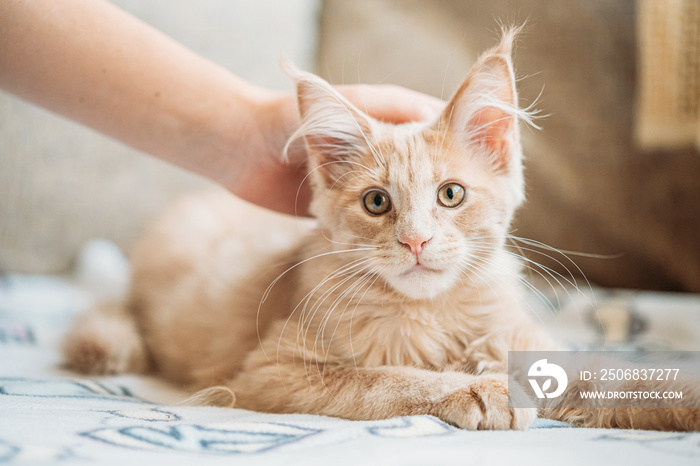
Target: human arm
91	62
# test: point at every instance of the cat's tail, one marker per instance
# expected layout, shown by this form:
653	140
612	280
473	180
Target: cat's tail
105	340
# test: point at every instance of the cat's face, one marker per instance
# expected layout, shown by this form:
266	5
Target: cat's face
424	206
429	215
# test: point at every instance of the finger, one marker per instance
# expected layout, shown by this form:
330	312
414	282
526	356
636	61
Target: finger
393	104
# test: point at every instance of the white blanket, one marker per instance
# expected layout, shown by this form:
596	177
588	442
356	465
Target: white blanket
52	416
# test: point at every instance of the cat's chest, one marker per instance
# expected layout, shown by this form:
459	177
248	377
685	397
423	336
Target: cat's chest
428	336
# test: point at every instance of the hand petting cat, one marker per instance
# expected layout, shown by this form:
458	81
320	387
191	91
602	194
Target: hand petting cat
266	178
89	61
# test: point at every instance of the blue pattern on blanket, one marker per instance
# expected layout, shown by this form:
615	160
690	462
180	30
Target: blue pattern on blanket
7	451
16	334
34	453
149	415
243	438
64	388
407	427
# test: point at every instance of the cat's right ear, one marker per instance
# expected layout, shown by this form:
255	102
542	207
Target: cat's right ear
335	131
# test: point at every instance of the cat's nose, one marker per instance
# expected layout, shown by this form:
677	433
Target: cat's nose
414	243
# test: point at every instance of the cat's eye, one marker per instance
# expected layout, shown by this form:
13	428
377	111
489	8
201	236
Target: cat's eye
376	202
451	195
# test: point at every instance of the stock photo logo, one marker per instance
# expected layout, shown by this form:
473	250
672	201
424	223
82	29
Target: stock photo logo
542	369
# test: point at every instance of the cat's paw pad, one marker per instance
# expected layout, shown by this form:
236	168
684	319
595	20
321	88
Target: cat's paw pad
484	406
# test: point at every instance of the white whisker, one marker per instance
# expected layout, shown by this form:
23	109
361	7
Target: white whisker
323	233
266	294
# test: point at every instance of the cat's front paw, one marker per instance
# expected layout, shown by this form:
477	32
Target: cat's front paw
483	405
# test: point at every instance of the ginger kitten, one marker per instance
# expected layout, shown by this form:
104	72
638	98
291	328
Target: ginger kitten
398	299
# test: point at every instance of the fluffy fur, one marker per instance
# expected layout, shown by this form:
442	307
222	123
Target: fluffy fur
354	315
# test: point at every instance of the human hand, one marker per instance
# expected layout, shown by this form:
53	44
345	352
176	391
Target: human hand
127	80
280	184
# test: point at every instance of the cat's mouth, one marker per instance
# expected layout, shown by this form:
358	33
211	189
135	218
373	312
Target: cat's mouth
419	269
419	281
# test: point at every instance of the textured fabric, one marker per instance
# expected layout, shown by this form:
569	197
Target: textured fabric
52	416
669	73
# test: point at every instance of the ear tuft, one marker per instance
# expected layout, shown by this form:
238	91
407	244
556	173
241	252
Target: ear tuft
289	68
509	34
334	130
484	111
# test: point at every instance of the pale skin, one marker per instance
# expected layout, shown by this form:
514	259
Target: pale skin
91	62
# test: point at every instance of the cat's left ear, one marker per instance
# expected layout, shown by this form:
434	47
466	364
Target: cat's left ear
335	130
483	113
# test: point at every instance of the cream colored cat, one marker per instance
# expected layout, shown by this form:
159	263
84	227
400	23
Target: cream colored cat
399	299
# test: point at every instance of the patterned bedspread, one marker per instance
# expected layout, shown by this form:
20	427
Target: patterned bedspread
51	416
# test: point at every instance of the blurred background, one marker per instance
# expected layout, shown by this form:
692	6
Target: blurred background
614	171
